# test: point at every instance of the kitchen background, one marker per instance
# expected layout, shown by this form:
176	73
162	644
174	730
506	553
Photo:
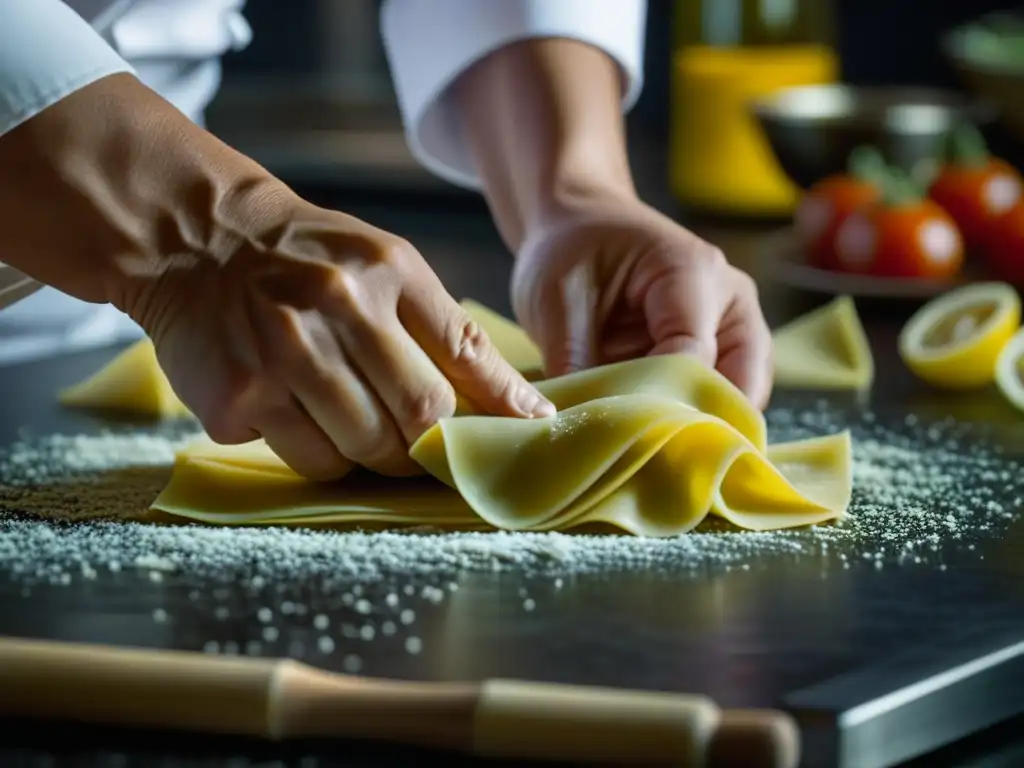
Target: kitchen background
311	97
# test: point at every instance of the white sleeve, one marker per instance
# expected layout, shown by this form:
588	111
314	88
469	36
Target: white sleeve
429	43
47	51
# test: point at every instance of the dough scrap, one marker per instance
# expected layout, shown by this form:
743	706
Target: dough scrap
824	349
132	382
650	446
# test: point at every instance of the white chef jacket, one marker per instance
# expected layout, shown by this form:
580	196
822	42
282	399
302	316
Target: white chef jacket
51	48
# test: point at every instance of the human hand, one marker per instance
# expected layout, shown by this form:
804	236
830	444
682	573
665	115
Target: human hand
331	339
607	278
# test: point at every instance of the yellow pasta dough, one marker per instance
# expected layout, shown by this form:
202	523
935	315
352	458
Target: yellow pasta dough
650	446
132	382
824	349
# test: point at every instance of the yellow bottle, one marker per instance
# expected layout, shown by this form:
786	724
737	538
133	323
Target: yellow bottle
728	53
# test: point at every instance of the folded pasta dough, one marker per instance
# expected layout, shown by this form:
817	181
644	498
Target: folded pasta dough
651	465
651	446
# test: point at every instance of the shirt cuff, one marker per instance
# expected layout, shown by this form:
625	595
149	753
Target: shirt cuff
429	43
47	52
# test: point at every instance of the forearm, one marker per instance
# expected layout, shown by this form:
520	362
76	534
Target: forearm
543	119
102	191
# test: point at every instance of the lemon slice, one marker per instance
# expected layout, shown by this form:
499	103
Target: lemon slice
954	340
1009	370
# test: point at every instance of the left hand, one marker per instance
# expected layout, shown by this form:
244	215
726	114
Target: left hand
608	279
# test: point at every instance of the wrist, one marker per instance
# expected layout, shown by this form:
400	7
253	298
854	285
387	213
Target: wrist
543	119
104	194
572	194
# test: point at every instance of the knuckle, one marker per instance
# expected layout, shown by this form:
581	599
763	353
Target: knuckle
369	440
312	458
746	286
715	258
292	332
380	449
467	341
393	462
371	449
705	350
397	252
286	351
346	290
270	411
323	466
422	410
509	389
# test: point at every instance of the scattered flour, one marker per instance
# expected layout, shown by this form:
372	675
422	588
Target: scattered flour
67	505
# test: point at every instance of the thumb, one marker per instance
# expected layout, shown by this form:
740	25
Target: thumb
682	310
567	324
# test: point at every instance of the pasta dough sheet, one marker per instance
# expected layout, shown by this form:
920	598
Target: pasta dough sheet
650	446
824	349
132	382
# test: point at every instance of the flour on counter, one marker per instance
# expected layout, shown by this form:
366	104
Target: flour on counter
915	489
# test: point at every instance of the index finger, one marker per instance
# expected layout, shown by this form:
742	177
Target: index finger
463	352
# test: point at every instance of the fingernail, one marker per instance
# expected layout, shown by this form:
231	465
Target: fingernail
545	408
532	404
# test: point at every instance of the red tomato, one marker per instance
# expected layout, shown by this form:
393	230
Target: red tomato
975	194
1004	247
823	210
909	239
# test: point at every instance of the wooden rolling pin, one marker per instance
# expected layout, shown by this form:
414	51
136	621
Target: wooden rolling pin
284	699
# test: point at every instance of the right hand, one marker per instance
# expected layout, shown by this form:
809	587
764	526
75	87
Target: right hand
272	318
328	337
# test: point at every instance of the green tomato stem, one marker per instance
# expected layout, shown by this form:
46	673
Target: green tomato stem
898	188
966	146
867	164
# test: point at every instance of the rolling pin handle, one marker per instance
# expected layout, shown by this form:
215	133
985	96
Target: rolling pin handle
542	721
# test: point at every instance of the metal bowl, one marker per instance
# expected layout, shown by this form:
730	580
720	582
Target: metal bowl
813	129
992	74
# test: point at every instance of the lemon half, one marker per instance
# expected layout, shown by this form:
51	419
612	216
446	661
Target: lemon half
954	340
1009	370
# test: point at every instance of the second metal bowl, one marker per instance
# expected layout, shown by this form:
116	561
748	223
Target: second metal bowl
813	129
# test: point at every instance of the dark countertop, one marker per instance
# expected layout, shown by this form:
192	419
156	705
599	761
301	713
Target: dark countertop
748	629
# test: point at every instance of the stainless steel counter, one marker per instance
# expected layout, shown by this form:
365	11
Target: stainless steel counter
859	637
